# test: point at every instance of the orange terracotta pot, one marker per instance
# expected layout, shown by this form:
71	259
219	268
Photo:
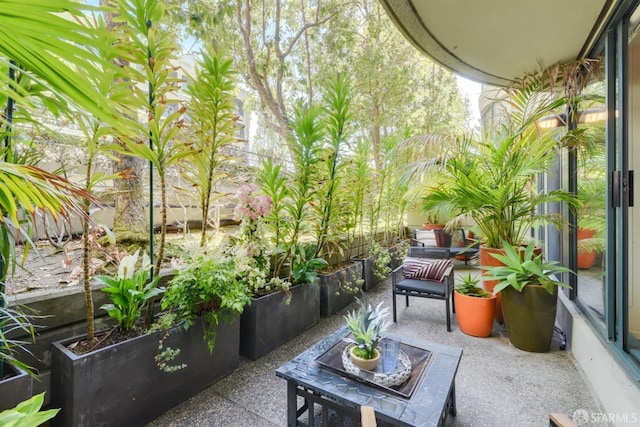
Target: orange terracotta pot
586	259
486	259
475	314
427	226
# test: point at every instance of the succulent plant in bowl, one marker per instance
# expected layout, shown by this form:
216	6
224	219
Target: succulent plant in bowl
367	324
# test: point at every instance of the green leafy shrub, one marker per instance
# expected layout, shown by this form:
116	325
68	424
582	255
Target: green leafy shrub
211	288
305	265
381	259
522	268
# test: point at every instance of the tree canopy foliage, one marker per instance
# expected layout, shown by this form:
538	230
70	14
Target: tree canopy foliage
286	50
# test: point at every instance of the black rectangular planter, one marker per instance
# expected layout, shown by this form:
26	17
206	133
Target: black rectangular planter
370	280
121	385
337	288
15	388
269	321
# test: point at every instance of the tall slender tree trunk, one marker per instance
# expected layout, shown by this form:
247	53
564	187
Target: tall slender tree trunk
209	186
130	220
86	251
163	222
375	133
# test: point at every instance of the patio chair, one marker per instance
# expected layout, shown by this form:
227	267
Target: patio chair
427	272
467	249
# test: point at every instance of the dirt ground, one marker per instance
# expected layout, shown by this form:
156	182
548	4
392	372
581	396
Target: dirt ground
46	267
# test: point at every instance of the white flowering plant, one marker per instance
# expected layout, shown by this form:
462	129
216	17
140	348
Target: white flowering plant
129	290
252	259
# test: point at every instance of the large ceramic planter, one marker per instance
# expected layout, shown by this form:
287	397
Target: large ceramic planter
530	317
487	260
15	388
269	321
338	289
121	385
475	314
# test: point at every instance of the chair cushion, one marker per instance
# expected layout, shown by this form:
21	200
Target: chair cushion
425	268
421	287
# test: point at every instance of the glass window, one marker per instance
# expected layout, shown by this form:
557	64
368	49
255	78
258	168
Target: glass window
633	291
592	186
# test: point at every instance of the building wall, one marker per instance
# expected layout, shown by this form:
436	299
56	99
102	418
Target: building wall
618	395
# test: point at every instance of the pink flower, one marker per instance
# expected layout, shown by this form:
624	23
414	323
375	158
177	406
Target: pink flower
251	205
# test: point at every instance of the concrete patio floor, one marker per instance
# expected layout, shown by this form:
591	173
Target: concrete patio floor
496	384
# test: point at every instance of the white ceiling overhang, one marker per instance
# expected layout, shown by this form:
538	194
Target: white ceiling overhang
497	41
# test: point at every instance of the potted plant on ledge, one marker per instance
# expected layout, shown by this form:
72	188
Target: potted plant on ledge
475	307
529	290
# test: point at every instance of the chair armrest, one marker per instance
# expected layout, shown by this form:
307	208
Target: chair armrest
416	242
395	273
448	272
448	279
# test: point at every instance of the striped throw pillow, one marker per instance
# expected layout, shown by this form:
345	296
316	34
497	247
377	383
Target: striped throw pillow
425	268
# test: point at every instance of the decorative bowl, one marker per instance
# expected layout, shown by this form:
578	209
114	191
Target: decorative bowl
399	376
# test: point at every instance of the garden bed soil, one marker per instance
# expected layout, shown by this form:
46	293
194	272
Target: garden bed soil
104	339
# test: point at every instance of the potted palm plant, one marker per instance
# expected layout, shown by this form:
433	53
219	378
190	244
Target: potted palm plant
475	307
529	290
493	180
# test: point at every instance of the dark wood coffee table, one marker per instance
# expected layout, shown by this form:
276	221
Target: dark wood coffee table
430	400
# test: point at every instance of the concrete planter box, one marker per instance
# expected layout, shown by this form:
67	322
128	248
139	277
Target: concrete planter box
15	388
122	385
336	288
269	321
